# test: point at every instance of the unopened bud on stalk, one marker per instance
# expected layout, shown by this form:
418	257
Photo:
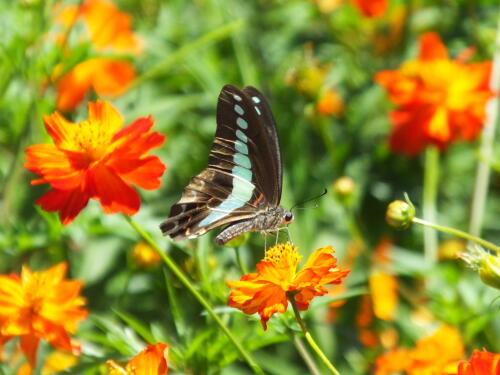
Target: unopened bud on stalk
486	264
400	214
344	188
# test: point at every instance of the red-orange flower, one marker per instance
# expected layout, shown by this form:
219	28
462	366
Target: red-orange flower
433	355
108	27
40	305
480	363
439	100
95	159
330	103
151	361
371	8
267	291
107	77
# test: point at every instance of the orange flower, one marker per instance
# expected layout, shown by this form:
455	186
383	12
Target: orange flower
267	291
108	27
432	355
55	362
330	103
439	100
370	8
151	361
107	77
94	159
144	255
40	305
480	363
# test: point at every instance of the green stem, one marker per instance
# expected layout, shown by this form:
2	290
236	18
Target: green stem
185	281
311	365
486	150
181	53
309	338
242	266
431	177
458	233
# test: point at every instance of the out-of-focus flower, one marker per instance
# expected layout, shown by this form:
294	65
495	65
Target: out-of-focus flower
344	189
486	264
330	103
480	363
108	27
333	307
55	362
433	354
451	248
383	285
370	8
388	34
439	100
308	75
107	77
327	6
268	291
364	319
383	288
151	361
400	214
144	255
95	159
40	305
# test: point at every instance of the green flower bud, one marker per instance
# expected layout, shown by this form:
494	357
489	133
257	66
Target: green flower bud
489	270
400	214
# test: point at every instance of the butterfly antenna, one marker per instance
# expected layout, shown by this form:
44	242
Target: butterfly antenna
295	206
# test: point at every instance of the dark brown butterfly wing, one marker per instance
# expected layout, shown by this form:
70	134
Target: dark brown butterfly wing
244	169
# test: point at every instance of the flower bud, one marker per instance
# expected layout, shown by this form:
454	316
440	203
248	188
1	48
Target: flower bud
489	271
400	214
144	255
344	188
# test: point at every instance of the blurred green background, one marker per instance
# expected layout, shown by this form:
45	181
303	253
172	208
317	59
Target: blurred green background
293	52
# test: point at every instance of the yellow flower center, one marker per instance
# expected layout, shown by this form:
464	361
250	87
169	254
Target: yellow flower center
283	252
92	138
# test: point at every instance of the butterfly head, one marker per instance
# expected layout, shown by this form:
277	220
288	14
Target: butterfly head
287	217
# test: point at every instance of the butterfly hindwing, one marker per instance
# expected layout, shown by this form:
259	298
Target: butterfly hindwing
244	169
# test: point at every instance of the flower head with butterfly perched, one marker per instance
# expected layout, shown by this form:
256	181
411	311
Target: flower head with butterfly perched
241	187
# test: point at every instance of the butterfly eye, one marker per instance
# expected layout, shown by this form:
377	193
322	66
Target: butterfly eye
288	217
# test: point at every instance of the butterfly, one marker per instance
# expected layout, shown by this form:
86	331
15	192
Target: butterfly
241	187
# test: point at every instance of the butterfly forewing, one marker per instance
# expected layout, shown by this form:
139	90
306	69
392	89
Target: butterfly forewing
244	169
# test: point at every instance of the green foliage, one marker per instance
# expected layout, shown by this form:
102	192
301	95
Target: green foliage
191	49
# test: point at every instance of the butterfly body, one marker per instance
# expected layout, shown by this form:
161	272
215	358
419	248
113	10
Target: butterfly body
241	187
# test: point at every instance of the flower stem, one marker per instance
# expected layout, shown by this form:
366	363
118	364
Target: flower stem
431	176
458	233
311	365
486	150
185	281
310	340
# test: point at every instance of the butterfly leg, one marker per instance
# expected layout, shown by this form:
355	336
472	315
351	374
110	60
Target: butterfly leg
289	235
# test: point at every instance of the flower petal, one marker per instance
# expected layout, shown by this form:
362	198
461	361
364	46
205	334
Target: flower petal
112	192
68	203
29	346
151	361
431	47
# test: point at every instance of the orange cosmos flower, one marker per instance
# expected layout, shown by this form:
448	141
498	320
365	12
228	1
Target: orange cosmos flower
330	104
480	363
151	361
267	291
370	8
40	305
107	77
439	100
55	362
434	354
108	28
95	159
